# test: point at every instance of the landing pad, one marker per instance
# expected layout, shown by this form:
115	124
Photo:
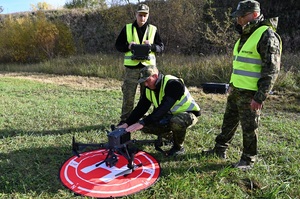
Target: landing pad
84	176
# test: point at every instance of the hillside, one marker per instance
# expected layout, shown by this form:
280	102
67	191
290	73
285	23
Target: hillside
183	26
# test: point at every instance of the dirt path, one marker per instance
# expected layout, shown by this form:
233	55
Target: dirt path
68	80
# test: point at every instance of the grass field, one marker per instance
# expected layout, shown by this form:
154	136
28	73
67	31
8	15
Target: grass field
41	113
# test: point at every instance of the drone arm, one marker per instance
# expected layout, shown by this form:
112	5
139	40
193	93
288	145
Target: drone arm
77	146
83	145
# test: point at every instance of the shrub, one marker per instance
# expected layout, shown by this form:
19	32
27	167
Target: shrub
64	45
46	35
16	37
31	39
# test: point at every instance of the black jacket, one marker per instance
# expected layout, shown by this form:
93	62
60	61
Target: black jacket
122	43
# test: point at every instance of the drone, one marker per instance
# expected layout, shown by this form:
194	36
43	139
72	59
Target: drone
119	143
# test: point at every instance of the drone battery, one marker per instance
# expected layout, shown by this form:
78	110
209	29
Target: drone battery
118	137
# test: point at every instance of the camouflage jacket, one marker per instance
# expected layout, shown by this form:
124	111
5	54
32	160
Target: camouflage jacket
269	48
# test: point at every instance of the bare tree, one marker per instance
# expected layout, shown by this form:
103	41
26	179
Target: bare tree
85	4
112	3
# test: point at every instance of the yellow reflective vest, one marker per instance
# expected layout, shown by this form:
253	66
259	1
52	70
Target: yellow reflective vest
186	102
247	63
133	36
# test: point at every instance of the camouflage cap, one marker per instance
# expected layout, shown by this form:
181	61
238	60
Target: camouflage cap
146	72
143	8
244	7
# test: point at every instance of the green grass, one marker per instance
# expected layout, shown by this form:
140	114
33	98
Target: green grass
38	121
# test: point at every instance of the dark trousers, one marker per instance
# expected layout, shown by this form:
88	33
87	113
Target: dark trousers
173	127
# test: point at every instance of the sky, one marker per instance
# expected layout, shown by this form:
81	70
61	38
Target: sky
12	6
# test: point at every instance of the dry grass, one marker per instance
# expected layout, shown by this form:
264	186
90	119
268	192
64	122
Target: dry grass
77	82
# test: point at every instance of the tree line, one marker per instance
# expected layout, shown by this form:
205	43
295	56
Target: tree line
190	27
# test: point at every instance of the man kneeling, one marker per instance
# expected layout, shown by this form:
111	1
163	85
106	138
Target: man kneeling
174	111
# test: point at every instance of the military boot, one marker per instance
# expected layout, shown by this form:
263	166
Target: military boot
214	152
243	165
176	151
218	151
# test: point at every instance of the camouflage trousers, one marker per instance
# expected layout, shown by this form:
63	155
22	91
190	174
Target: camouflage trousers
173	127
237	112
129	88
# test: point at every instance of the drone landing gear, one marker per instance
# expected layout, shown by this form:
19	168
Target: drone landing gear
112	158
129	171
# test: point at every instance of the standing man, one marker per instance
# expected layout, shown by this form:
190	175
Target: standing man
175	110
256	64
138	32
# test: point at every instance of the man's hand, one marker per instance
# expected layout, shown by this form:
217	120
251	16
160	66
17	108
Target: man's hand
131	43
125	125
255	105
134	127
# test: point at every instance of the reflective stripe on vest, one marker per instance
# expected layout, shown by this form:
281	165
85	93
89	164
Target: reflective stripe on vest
247	60
246	73
133	36
186	102
247	63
